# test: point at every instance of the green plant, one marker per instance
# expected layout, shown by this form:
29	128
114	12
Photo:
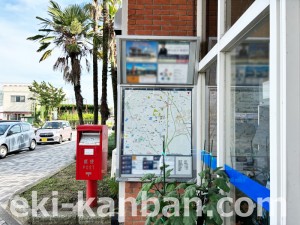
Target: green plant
113	187
209	191
111	143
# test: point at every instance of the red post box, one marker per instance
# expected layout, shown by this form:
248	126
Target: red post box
91	156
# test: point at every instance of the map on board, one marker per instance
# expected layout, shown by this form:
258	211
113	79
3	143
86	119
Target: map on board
150	115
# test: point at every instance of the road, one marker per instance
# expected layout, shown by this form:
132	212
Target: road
27	167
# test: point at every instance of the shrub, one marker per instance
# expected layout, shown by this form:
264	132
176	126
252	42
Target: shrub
111	143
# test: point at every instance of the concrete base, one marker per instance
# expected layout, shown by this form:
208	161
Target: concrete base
63	218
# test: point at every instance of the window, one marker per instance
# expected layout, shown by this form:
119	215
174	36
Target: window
249	106
17	98
248	112
211	109
25	127
16	129
241	86
235	9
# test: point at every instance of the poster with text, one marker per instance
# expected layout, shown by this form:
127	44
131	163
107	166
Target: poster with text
172	52
172	73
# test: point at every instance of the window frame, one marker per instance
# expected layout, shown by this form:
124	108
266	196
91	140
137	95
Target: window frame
14	98
227	40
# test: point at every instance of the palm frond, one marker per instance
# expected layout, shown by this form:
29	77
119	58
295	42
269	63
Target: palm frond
44	20
43	46
46	55
46	39
60	64
46	30
36	37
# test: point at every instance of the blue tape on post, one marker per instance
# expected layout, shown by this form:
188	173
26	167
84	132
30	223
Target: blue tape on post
245	184
209	160
250	187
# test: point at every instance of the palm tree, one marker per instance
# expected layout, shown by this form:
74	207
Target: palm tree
113	6
66	30
104	107
94	9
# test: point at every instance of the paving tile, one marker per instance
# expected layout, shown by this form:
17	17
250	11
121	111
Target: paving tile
19	171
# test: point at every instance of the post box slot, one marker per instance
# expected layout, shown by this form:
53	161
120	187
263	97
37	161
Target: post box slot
90	138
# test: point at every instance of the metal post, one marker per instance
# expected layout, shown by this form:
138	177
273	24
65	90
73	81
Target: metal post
91	192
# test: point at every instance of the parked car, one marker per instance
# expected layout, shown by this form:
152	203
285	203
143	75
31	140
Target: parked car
16	136
54	131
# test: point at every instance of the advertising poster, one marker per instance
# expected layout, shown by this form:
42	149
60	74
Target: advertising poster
141	51
141	72
172	73
172	52
149	62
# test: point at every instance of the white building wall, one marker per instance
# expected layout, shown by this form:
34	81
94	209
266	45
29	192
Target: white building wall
16	107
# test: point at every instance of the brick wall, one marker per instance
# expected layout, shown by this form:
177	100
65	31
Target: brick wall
162	17
131	190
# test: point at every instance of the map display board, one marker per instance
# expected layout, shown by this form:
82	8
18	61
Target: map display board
149	117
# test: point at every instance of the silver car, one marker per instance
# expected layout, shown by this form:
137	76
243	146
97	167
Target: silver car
54	131
16	136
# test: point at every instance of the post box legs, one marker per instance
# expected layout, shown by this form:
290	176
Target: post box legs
91	192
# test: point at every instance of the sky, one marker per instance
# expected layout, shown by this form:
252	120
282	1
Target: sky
19	61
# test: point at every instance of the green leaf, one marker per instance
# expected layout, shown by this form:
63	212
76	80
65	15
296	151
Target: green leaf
148	176
36	37
221	183
176	220
76	27
172	194
212	208
139	198
46	55
215	197
43	47
190	192
146	187
222	173
46	30
47	39
42	19
168	173
158	221
191	219
158	180
181	186
217	169
170	187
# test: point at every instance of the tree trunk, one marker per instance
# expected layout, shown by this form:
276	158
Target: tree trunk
104	107
95	84
95	64
115	93
114	79
76	75
79	102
